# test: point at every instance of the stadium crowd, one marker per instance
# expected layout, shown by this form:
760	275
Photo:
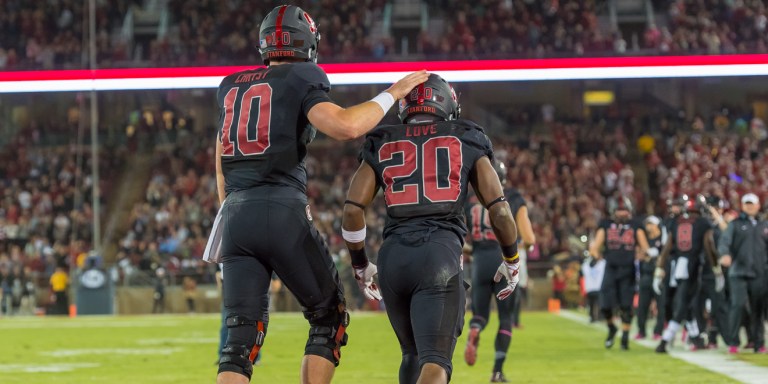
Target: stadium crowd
45	212
214	33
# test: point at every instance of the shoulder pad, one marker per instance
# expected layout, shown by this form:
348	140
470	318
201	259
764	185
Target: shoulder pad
473	135
312	75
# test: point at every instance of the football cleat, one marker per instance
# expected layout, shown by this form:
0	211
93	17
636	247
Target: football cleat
662	348
656	337
625	341
697	343
762	350
470	353
498	377
639	336
733	350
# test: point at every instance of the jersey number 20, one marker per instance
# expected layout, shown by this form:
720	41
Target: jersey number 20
447	189
247	145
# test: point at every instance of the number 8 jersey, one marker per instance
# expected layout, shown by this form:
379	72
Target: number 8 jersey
424	171
263	126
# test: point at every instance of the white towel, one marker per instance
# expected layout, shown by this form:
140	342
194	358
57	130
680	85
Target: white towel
212	252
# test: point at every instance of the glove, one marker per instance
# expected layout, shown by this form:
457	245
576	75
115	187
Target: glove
364	277
510	271
658	276
719	278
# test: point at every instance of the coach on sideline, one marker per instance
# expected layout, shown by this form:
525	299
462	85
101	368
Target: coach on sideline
743	249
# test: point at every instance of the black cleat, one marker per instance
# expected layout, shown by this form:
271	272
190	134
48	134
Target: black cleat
625	342
498	377
611	335
662	348
697	343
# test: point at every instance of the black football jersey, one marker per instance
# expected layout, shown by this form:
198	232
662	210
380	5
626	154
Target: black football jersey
620	242
263	125
687	236
481	230
424	170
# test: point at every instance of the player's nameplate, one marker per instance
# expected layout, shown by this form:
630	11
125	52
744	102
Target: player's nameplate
212	252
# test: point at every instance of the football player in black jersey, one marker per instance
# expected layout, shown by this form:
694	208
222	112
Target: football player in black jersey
665	288
621	237
691	239
657	237
486	256
268	117
718	305
424	168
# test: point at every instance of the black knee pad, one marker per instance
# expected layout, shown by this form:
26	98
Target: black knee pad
626	315
327	332
243	345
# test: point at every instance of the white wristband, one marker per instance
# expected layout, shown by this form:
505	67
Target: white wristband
353	236
385	100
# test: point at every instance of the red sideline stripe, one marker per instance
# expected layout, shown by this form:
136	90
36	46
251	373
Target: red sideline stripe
435	66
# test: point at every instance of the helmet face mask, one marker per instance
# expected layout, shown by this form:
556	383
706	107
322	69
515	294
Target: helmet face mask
288	32
434	97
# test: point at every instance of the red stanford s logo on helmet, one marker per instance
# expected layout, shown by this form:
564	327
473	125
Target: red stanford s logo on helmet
312	27
433	97
288	32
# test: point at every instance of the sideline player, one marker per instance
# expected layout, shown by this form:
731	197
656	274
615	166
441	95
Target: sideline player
486	256
425	167
690	237
621	237
265	128
657	237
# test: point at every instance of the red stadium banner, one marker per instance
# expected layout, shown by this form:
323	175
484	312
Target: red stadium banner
385	73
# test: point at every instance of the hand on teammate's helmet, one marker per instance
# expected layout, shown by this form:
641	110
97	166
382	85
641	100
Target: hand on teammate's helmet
510	271
404	86
364	277
658	276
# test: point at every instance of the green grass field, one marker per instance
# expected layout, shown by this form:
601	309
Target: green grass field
182	349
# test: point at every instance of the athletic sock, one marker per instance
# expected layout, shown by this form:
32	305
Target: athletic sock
498	363
693	329
503	339
671	331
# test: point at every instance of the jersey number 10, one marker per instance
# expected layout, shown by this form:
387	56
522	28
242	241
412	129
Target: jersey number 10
262	94
431	164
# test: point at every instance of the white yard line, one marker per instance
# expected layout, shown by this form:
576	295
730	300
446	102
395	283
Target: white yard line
715	361
47	368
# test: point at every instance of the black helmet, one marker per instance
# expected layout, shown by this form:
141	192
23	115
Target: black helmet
433	97
288	32
715	201
620	203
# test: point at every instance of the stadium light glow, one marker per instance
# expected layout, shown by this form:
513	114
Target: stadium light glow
386	73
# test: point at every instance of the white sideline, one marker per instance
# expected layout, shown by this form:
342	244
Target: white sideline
715	361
